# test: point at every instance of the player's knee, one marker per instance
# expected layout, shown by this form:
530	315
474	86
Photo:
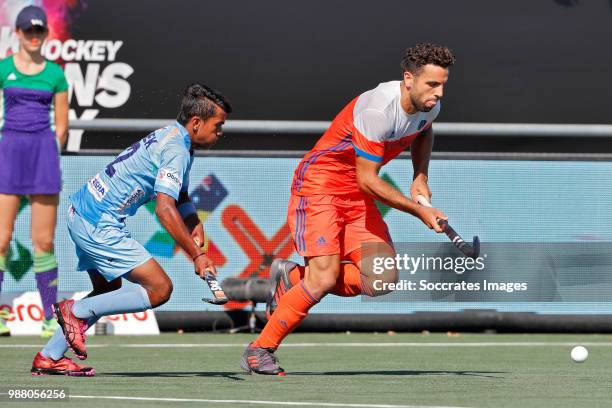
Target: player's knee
322	275
322	281
394	276
327	283
384	283
163	291
169	289
320	284
43	244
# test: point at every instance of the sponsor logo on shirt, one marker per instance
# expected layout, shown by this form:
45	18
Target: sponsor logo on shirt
421	124
97	187
131	200
168	178
11	77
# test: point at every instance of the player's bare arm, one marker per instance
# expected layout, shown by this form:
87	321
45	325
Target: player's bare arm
420	151
61	106
170	218
191	219
371	183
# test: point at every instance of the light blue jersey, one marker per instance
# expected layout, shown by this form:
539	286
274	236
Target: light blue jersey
158	163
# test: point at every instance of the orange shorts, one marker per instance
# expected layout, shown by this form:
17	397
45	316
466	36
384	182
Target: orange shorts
328	225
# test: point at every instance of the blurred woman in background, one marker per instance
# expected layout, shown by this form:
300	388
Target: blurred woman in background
35	91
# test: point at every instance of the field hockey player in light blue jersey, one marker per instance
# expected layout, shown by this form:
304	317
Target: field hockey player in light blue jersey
156	167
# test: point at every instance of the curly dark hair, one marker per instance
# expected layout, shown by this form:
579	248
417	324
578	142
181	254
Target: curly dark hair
200	100
426	53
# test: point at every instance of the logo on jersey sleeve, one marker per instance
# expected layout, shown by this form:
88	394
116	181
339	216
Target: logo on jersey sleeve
97	187
169	179
422	123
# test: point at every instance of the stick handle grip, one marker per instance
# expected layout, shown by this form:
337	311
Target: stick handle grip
458	242
450	233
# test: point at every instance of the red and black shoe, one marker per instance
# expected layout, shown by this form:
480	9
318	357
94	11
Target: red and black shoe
74	328
64	366
279	275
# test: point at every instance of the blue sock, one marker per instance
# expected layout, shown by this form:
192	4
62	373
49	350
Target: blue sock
127	299
56	346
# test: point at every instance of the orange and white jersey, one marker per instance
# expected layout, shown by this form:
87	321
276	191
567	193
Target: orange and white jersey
373	126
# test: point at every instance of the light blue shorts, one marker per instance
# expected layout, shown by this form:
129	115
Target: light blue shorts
107	247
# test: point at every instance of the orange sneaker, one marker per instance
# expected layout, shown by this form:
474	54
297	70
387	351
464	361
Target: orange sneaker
73	327
64	366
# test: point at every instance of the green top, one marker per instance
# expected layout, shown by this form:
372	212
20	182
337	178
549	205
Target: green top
51	78
27	99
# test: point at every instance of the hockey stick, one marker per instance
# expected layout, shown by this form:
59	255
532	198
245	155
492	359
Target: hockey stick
471	251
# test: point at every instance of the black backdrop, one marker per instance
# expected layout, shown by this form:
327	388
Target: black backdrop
517	61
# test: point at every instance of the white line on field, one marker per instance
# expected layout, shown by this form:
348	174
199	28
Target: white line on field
257	402
297	345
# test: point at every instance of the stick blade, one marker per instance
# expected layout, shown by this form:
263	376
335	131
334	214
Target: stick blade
219	297
476	247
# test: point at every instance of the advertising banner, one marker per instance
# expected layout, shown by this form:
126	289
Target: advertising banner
543	224
26	314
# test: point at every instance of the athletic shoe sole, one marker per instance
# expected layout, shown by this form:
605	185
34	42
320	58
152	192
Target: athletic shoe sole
44	371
